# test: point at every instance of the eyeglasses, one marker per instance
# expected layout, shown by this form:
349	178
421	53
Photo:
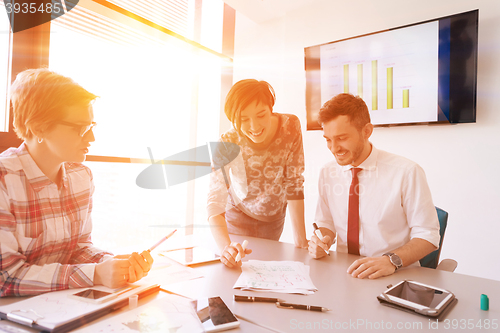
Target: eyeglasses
82	129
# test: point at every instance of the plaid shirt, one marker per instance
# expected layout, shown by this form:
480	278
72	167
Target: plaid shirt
45	242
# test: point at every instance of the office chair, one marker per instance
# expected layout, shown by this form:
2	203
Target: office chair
432	259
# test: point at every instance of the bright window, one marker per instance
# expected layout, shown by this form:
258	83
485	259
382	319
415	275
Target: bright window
155	91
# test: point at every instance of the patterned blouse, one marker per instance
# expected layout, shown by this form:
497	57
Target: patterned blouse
44	230
261	180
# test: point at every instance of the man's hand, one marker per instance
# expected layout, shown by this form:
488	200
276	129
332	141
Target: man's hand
319	247
112	273
228	256
372	267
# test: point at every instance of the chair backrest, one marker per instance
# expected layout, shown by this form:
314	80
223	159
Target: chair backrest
432	259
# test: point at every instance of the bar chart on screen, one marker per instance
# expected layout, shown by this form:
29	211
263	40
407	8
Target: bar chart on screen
392	73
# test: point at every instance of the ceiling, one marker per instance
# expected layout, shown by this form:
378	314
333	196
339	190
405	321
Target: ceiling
263	10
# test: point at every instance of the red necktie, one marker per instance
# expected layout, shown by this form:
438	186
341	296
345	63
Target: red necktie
353	217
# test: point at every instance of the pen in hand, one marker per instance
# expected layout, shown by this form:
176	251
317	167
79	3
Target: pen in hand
244	246
161	241
319	235
284	305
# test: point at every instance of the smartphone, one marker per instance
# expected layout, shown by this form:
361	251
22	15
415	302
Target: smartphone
215	315
421	298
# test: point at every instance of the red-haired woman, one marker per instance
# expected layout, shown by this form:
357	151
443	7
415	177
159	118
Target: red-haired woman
251	196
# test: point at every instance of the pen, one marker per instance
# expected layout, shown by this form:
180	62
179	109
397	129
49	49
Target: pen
239	298
301	307
244	246
162	240
319	234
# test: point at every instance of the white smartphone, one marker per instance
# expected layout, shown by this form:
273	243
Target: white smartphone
419	297
215	315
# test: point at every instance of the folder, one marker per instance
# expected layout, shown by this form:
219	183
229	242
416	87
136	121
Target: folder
56	312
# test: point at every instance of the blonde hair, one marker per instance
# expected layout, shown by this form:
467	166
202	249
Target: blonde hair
39	99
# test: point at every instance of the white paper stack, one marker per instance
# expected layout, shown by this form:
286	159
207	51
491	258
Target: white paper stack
168	313
289	277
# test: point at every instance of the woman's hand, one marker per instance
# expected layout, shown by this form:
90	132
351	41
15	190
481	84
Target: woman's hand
228	256
139	265
112	273
302	244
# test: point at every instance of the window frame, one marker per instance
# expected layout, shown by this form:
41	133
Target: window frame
31	48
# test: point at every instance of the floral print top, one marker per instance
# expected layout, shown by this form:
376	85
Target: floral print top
261	180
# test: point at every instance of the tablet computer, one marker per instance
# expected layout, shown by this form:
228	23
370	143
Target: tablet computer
191	255
418	297
215	315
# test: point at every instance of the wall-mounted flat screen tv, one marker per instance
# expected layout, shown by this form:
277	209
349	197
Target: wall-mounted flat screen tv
419	73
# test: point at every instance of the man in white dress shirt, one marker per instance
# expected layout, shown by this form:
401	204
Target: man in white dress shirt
398	223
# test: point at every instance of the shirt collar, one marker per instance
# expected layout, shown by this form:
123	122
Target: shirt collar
369	164
35	176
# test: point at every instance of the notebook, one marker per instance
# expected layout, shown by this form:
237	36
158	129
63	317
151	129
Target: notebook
57	312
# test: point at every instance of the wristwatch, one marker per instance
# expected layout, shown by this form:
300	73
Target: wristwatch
395	259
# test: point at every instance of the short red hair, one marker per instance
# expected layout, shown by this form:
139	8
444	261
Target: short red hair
245	92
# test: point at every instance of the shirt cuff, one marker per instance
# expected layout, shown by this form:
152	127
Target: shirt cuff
327	225
89	271
428	235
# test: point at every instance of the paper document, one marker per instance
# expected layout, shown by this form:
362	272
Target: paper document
170	313
166	271
289	277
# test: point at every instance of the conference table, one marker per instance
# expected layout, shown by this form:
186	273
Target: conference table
353	302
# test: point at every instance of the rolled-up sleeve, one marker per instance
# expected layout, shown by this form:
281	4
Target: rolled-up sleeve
419	207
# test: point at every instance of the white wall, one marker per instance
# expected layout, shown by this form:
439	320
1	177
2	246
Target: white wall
460	160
